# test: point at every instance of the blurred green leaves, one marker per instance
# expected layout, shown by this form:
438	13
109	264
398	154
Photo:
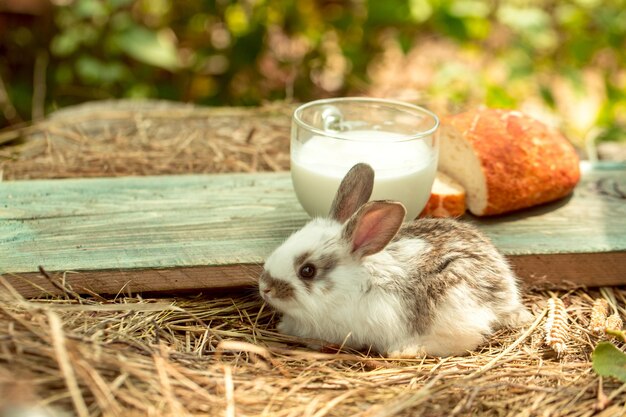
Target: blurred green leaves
236	19
396	12
112	48
564	59
157	49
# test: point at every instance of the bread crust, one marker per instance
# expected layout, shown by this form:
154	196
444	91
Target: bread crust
440	206
445	200
524	162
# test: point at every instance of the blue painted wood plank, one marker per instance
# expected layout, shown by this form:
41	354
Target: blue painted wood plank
224	221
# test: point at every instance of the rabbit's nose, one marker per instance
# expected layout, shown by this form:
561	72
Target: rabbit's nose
266	292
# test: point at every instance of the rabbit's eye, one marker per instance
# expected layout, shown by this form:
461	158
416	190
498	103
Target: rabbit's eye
307	271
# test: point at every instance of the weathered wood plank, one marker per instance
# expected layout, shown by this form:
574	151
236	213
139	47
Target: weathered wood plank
172	233
114	281
571	269
592	219
144	222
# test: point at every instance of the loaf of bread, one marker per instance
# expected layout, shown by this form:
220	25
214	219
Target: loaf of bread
506	160
447	198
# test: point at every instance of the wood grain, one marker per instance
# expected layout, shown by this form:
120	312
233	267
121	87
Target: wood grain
592	219
571	269
174	233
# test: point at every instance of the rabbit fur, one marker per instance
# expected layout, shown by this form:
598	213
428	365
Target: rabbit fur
361	278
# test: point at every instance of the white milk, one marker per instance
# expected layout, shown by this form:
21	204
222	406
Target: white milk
405	171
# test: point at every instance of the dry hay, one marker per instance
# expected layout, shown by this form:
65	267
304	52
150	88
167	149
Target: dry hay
221	355
117	138
124	137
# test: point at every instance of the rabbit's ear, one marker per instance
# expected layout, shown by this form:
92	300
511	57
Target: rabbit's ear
354	191
371	228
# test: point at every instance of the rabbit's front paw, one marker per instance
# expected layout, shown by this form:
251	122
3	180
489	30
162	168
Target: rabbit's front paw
410	352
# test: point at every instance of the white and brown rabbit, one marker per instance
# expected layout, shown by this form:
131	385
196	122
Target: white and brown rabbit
363	279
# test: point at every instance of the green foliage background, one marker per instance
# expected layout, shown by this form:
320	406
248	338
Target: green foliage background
564	59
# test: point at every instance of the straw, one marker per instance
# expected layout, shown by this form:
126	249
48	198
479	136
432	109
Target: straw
197	355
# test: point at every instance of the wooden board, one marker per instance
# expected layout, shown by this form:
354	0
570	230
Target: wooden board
173	233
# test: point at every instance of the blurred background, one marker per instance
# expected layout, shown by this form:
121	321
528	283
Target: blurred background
563	61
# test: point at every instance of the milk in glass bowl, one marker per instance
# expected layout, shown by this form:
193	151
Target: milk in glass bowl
399	140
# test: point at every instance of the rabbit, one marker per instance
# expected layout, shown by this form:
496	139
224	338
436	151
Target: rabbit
362	279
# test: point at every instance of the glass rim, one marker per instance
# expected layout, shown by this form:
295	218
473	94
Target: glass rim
403	104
